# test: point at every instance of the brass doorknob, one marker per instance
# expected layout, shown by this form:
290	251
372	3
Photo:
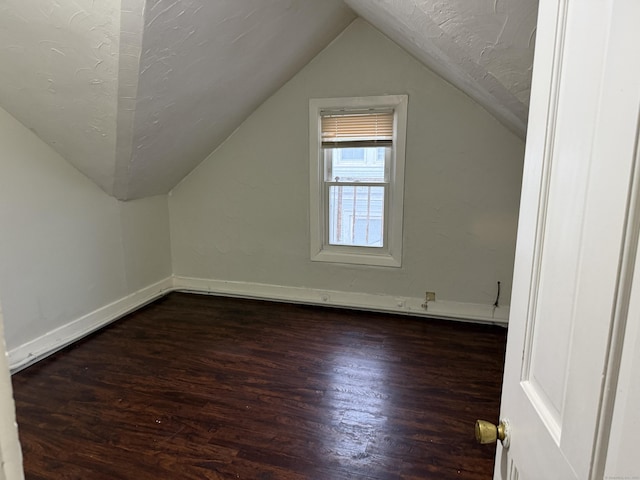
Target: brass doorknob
487	432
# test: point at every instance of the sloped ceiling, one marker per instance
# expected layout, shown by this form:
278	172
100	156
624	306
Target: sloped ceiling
483	47
136	93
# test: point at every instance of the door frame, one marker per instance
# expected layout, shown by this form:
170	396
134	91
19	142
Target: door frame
10	451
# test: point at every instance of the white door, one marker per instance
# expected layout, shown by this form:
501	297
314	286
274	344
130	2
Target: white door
577	240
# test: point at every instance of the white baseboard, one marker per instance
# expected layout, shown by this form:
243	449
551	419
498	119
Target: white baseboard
470	312
49	343
43	346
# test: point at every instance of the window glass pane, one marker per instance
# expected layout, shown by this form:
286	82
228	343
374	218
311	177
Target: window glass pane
356	216
355	164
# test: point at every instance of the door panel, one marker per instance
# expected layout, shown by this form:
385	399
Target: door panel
574	225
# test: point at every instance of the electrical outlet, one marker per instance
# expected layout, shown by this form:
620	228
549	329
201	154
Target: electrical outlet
430	296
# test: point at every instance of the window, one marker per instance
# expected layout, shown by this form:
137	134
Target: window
357	179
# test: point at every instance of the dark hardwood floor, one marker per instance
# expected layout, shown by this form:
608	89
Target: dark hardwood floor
198	387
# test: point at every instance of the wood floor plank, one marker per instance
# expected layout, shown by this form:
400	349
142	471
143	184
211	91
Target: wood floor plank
201	387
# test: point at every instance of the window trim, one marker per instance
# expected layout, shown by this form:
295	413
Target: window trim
321	251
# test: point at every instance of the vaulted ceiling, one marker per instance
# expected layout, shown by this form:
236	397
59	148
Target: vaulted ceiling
136	93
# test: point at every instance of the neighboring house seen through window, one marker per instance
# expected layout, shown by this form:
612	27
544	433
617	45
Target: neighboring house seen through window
357	178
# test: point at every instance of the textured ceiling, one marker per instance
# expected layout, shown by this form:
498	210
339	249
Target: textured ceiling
59	77
483	47
136	93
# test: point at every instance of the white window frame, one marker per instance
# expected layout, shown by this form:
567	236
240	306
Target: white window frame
390	255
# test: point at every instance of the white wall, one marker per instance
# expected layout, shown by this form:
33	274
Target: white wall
242	215
73	258
70	255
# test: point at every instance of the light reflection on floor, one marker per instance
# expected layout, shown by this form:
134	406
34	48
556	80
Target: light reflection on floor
358	427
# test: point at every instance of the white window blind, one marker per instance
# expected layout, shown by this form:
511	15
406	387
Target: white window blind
370	129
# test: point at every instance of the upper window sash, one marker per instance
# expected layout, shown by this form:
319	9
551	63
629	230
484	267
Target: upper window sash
330	162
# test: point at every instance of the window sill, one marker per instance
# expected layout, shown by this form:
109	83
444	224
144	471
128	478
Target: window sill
381	260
